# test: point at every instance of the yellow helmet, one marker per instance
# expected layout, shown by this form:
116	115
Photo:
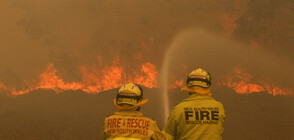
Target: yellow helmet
129	94
199	77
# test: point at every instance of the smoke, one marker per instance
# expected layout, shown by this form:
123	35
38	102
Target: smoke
218	55
73	33
70	33
20	58
200	48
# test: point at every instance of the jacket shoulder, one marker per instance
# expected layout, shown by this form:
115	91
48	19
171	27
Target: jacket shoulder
179	105
217	101
110	115
147	118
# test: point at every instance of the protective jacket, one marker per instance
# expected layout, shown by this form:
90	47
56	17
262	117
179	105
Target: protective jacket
131	125
198	117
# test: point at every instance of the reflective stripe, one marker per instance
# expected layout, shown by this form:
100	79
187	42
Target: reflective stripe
124	139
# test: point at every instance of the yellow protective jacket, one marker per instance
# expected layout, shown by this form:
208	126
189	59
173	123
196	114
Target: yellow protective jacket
131	125
198	117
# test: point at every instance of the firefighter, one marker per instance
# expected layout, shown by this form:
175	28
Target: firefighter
128	123
200	116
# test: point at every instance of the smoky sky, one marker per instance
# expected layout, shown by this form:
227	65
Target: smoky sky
200	48
73	33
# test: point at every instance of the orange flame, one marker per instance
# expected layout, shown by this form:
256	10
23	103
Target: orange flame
49	80
147	76
93	80
177	84
3	87
241	82
96	81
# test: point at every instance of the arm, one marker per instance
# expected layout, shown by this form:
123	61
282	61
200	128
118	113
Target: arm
222	119
158	135
168	136
170	128
102	133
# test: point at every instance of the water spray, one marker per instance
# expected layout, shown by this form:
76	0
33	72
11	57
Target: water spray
164	78
165	81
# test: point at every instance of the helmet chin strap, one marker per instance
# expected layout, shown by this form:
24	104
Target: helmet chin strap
134	107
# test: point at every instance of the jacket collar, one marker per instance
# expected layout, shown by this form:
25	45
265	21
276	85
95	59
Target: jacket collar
196	96
129	113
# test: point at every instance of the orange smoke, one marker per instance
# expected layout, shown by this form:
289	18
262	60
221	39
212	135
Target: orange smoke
229	24
93	80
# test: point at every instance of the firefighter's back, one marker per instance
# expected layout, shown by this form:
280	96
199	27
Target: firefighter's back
199	117
130	125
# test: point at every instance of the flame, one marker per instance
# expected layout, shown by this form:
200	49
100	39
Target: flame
177	84
241	86
93	80
242	83
96	81
49	80
3	87
147	76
